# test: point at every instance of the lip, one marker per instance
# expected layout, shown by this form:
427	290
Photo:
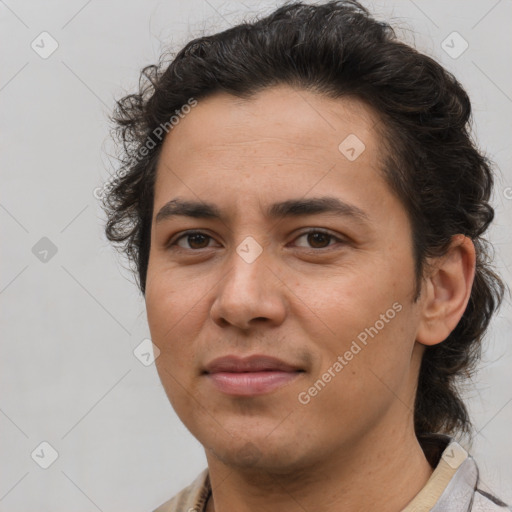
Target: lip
254	363
248	376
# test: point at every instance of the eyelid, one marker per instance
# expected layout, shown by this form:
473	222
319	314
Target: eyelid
173	241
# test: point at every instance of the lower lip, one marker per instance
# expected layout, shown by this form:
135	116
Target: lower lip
251	383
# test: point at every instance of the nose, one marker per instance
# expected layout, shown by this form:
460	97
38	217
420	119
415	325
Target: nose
250	294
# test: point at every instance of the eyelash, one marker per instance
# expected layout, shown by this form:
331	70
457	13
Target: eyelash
172	244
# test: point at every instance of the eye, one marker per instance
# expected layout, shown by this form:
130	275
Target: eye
318	239
195	240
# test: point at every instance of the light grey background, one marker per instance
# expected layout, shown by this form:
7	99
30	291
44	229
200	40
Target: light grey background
68	374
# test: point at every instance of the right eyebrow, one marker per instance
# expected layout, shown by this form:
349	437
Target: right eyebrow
288	208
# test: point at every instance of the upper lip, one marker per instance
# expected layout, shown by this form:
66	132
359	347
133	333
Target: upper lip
255	363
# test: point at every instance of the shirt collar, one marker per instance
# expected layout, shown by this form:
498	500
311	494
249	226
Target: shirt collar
452	485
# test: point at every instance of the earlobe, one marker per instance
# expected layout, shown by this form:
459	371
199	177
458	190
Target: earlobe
446	291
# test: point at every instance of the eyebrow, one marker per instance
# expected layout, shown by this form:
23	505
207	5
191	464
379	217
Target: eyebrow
289	208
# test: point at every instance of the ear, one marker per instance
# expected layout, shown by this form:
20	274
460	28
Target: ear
446	291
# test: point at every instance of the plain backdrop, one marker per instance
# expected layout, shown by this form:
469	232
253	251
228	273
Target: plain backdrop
71	315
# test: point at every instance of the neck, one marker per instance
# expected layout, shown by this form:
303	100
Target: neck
356	477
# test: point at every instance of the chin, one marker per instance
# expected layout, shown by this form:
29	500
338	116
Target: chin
260	455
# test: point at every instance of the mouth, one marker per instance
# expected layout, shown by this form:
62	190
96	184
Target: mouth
254	375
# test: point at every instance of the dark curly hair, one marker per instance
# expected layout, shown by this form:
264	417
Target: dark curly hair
430	160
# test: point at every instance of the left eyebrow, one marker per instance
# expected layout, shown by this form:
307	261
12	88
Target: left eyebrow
289	208
326	204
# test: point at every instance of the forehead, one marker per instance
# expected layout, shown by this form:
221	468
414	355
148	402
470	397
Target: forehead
280	139
280	114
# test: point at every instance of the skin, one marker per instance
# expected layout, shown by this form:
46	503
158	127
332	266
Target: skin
303	300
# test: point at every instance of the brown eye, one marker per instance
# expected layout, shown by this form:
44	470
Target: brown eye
317	239
198	240
195	239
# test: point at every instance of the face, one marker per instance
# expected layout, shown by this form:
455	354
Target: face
299	252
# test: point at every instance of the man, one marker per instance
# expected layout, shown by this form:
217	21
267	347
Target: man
305	211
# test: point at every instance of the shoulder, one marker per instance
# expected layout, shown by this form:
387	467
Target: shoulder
484	502
190	499
458	474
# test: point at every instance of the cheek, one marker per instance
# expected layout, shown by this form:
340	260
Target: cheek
347	302
169	302
164	311
176	316
367	319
